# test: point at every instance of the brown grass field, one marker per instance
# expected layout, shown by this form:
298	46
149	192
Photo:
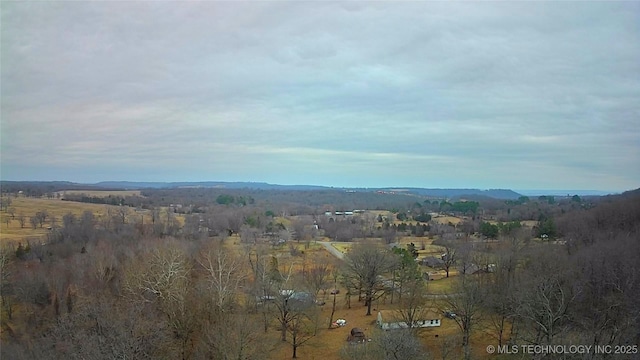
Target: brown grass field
29	206
12	232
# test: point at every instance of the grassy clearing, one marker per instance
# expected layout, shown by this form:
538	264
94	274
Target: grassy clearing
431	250
342	247
442	284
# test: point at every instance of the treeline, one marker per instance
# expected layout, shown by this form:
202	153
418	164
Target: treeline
296	202
44	188
581	290
107	200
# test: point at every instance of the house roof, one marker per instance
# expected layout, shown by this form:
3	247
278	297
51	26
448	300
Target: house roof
432	260
394	315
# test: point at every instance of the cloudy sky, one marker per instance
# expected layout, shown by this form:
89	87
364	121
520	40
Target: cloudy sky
527	95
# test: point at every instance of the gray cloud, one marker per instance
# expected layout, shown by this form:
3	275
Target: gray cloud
518	95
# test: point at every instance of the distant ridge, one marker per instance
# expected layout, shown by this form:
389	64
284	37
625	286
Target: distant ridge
439	193
503	194
206	184
566	192
458	193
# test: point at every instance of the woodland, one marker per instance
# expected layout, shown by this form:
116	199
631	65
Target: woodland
214	273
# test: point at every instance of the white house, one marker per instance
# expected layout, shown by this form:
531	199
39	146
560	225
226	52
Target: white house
391	319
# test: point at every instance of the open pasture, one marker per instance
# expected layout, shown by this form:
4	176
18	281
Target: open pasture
28	207
12	231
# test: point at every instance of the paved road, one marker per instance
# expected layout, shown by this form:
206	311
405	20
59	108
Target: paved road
337	253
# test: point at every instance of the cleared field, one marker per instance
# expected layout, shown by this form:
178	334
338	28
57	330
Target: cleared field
101	193
28	207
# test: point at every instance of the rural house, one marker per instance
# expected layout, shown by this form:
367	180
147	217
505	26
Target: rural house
391	319
433	262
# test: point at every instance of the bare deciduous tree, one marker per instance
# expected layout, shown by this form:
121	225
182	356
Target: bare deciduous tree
466	302
34	221
400	345
284	300
317	276
413	307
164	281
367	264
544	297
248	235
22	220
232	336
303	325
224	274
449	256
41	217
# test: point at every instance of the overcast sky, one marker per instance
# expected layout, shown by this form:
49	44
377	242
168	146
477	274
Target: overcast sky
527	95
